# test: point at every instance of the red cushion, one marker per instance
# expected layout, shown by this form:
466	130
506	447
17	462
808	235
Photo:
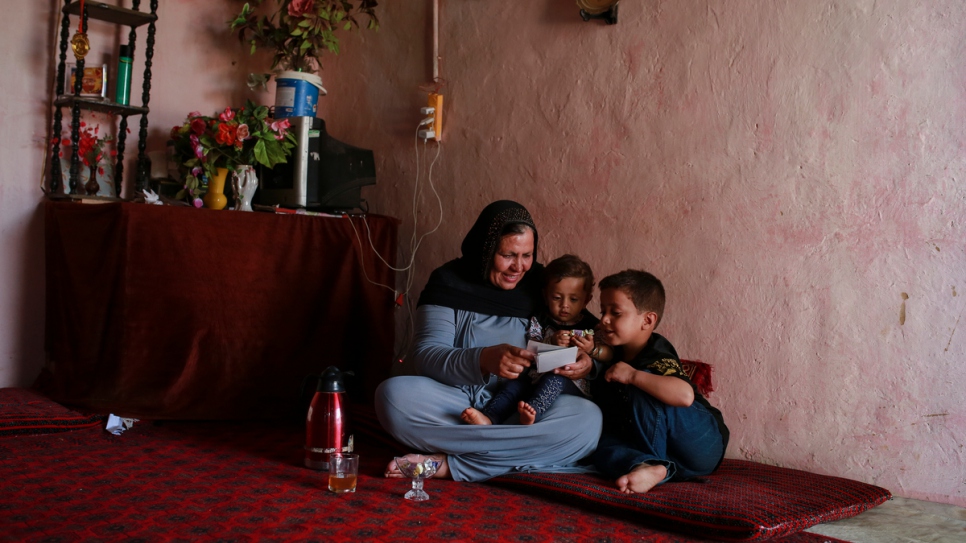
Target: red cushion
741	501
700	374
24	411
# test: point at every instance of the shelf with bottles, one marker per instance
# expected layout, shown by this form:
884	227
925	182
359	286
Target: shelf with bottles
77	103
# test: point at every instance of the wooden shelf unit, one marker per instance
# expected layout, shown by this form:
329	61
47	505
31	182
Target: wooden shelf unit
132	18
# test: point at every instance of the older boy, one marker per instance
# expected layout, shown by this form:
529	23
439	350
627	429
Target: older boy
657	426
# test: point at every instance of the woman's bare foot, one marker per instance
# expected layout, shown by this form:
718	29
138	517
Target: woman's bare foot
641	479
528	415
472	416
442	472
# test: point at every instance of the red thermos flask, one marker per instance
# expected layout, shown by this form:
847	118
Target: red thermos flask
326	423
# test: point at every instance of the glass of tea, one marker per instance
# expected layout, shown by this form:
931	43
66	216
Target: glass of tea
343	471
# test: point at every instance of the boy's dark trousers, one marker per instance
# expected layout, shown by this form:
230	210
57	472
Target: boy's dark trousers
685	440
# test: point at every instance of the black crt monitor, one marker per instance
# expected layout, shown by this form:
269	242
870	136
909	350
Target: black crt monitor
322	174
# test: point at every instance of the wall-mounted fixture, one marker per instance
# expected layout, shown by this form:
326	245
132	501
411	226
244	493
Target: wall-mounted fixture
599	9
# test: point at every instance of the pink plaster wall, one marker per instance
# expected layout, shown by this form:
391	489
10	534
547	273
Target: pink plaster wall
791	170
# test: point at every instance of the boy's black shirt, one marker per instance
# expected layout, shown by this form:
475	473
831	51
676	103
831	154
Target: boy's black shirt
660	358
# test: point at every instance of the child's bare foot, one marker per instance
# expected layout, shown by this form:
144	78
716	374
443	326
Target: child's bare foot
442	472
472	416
528	415
641	479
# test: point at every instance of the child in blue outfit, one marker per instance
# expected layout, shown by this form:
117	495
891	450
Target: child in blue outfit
568	287
657	426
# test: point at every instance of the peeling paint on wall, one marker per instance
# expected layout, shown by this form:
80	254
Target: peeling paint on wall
902	309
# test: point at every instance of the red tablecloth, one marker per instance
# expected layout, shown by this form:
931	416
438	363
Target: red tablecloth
168	312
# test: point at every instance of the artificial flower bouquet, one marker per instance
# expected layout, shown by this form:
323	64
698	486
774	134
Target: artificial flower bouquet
92	150
232	138
91	146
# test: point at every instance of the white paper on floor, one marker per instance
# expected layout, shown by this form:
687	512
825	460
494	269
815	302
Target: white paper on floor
116	425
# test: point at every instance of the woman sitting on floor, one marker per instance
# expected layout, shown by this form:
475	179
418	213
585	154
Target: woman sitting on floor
470	331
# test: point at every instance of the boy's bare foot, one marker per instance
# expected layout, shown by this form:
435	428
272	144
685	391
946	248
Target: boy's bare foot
641	479
472	416
442	472
528	415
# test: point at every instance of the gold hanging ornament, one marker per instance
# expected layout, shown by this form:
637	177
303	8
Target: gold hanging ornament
79	42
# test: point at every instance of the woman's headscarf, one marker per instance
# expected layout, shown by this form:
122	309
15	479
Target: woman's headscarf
464	283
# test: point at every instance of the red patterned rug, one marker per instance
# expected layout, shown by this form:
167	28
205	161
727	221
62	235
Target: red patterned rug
244	482
24	411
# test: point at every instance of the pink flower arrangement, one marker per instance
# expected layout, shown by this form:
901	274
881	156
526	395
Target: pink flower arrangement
232	138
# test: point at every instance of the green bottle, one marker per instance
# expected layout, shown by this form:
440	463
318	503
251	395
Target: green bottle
122	94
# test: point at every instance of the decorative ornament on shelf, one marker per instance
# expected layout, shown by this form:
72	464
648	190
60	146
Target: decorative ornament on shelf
301	30
95	155
243	185
79	42
232	139
151	198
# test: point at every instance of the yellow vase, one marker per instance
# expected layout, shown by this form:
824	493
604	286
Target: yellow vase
215	197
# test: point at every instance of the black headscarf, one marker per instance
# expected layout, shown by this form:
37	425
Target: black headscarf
464	283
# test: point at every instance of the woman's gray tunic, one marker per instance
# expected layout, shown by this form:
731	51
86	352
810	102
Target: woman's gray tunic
423	412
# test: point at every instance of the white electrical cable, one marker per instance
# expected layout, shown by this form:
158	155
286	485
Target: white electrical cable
439	222
369	232
412	239
414	242
411	273
362	256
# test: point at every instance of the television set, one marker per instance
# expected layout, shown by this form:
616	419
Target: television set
322	174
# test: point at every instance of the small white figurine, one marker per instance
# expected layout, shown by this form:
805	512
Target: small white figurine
151	198
244	182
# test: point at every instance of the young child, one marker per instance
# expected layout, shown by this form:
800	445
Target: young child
657	426
569	284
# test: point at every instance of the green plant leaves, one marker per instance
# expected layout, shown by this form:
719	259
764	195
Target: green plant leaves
299	39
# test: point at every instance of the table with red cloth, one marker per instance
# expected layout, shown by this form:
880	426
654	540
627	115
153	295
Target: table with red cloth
181	313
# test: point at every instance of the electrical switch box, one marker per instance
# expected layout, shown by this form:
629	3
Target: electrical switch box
436	102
